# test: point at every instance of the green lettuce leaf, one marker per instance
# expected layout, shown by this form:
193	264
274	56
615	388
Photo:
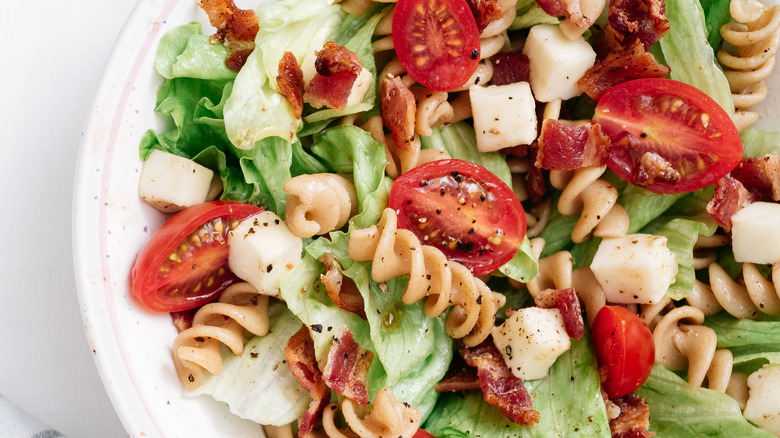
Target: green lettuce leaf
716	14
734	332
529	14
757	143
568	400
246	380
681	410
256	109
184	52
523	267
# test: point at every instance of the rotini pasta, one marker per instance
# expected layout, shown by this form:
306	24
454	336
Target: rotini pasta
396	252
388	418
319	203
757	294
595	200
755	34
197	348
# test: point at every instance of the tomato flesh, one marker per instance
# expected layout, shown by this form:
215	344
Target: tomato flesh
185	263
667	136
436	41
624	349
462	209
421	433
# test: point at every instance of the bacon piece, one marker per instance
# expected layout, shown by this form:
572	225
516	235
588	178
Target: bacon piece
633	417
509	68
459	377
182	320
654	169
567	302
337	70
236	27
236	60
760	176
290	81
567	146
485	12
347	367
303	364
566	8
536	183
399	110
633	62
500	387
730	196
642	20
342	290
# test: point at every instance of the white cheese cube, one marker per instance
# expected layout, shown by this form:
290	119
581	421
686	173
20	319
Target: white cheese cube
172	183
637	268
763	405
531	340
504	115
755	233
262	251
556	62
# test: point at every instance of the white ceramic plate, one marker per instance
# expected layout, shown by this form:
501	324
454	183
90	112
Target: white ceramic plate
132	346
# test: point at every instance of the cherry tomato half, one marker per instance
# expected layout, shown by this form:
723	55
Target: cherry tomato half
437	41
667	136
624	350
462	209
185	263
421	433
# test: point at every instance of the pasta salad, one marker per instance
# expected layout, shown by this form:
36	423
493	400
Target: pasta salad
470	217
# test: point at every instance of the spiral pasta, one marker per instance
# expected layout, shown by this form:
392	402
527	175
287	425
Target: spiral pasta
595	200
396	252
388	418
319	203
755	34
197	348
757	294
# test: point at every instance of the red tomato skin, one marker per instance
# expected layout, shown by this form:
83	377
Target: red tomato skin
624	349
422	208
450	66
421	433
637	116
147	283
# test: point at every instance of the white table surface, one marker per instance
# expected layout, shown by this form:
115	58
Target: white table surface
53	58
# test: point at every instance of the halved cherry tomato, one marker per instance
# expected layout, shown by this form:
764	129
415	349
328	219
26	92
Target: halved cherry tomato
624	350
185	263
462	209
667	136
421	433
437	41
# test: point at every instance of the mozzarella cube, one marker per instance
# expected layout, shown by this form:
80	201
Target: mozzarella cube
763	404
556	62
531	340
262	251
637	268
172	183
504	115
755	233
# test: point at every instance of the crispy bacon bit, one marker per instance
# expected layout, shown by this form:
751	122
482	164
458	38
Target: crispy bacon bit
633	417
347	367
565	8
399	110
760	176
485	12
342	290
633	62
500	387
567	146
290	80
567	302
509	68
643	20
730	196
236	60
182	320
653	168
536	183
459	377
236	28
303	364
337	70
